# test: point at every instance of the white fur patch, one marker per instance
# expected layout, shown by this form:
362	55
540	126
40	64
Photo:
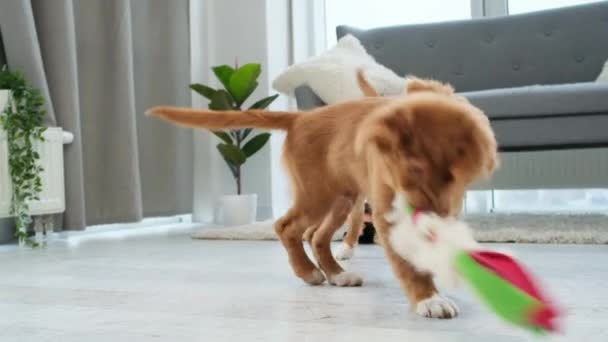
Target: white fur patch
346	279
345	252
430	242
317	278
437	307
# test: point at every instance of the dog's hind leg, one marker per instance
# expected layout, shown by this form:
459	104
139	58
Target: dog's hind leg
321	245
355	226
309	232
290	228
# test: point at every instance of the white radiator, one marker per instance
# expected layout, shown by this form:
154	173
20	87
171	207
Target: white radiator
52	198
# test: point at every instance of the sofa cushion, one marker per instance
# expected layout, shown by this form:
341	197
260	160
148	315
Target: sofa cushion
548	133
547	47
603	76
542	100
332	75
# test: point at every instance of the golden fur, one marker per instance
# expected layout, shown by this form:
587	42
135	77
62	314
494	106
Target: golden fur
428	145
413	84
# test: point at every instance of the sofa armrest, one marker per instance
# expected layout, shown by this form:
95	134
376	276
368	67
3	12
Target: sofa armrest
306	99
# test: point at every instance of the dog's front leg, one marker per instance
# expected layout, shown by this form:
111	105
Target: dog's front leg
419	287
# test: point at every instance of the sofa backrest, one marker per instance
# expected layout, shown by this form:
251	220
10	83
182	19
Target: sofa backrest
563	45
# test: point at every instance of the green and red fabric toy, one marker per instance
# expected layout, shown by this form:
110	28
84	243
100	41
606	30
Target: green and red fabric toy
446	248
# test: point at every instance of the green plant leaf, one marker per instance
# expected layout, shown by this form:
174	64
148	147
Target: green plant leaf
265	102
224	136
224	74
232	167
221	100
203	90
246	132
255	144
22	120
232	154
243	81
235	134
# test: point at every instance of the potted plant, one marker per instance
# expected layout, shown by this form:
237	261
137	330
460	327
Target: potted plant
4	94
21	119
6	224
236	145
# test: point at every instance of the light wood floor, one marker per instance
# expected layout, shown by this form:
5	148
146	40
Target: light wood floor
172	288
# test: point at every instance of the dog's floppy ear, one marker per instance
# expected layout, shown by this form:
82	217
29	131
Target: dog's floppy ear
493	160
489	144
391	140
387	132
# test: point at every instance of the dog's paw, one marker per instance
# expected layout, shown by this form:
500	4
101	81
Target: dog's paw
437	306
316	277
346	279
345	252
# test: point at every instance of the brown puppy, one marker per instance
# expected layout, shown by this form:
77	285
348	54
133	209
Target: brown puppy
355	222
428	146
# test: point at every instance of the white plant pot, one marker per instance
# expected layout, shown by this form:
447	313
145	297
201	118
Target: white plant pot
238	210
4	95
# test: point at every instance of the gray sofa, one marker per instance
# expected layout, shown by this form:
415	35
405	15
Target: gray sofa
533	74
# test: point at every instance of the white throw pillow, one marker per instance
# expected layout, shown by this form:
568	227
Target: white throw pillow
333	74
603	77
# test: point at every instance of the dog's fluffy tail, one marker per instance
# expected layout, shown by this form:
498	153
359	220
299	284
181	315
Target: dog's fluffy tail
202	118
364	85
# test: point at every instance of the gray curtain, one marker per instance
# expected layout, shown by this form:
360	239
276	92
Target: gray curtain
100	64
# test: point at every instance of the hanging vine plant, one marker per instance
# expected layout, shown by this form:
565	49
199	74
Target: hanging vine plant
22	121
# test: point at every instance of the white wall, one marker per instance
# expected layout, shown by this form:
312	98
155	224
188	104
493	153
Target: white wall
278	46
222	31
